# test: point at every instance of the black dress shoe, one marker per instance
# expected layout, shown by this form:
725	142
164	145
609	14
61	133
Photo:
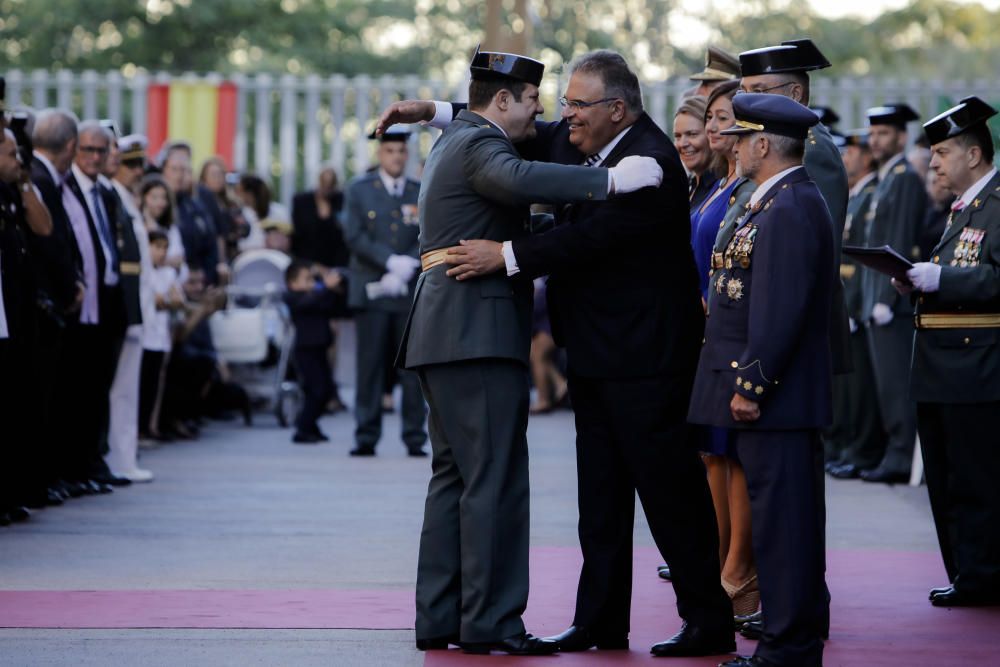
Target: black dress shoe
740	621
97	488
753	629
112	480
437	643
522	644
416	453
4	520
75	489
934	592
663	572
306	438
748	661
582	639
845	471
18	514
362	451
885	476
955	598
692	641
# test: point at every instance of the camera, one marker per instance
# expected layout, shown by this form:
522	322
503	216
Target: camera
18	124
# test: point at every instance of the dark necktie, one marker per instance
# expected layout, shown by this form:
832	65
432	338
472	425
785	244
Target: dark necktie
102	225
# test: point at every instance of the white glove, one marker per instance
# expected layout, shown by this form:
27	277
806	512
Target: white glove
634	173
852	324
393	285
925	276
881	314
402	266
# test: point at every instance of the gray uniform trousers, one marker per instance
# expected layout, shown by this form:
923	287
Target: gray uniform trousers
472	577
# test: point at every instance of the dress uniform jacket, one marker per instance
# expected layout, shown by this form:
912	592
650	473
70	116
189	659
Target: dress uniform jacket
854	235
378	224
826	168
128	252
956	352
739	203
767	336
481	189
894	219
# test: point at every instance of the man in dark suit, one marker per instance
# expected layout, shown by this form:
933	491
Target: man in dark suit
469	341
855	442
95	339
894	218
624	301
765	371
956	358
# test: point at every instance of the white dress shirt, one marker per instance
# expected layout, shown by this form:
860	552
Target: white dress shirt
970	195
394	186
87	187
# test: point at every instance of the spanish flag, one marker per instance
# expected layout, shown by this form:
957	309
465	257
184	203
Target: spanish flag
202	114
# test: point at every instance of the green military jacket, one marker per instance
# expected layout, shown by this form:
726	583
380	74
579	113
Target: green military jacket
854	234
956	349
825	167
378	224
476	186
894	218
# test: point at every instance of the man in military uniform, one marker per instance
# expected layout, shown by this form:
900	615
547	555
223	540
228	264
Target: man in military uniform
855	441
764	370
380	227
720	66
469	341
956	358
784	70
893	218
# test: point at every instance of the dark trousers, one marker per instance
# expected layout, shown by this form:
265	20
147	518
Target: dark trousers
87	368
377	332
14	444
784	472
891	348
856	436
150	386
316	380
632	437
962	468
472	572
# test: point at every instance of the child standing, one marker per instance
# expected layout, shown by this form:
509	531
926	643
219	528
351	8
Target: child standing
312	300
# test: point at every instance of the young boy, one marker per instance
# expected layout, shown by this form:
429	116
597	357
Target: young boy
156	335
312	301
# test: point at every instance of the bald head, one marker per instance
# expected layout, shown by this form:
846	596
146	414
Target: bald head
55	137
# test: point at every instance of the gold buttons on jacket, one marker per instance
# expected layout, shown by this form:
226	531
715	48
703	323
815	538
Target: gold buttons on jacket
966	340
937	258
371	215
735	364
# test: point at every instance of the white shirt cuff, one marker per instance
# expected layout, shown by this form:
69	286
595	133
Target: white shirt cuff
509	259
442	115
611	183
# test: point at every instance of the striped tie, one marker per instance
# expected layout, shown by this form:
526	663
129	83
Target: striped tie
592	160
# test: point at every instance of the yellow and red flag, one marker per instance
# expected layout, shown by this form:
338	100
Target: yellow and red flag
202	114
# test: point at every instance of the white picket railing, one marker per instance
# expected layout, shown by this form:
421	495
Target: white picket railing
288	126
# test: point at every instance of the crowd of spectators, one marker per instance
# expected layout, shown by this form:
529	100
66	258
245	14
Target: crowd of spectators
112	262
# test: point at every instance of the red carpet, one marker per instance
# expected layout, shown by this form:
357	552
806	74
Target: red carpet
880	612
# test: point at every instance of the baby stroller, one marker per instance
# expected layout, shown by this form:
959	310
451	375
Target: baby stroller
254	334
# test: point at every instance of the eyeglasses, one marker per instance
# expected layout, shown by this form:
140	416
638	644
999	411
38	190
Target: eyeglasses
576	105
764	90
97	150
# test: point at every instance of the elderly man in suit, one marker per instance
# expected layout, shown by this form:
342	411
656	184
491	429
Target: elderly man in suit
765	371
624	301
956	358
380	227
469	341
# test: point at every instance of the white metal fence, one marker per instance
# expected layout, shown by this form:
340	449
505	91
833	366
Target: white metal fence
288	126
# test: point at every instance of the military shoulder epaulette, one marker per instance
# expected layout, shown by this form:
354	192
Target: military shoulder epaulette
900	168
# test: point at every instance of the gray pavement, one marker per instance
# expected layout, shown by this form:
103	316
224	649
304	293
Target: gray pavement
243	508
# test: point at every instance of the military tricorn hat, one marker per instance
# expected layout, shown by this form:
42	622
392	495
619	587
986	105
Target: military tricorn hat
393	133
857	137
489	64
795	55
773	114
897	115
827	116
719	66
968	114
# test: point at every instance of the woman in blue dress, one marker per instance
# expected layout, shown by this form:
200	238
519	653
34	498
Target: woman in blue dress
725	474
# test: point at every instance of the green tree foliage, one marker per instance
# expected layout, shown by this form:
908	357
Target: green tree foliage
927	38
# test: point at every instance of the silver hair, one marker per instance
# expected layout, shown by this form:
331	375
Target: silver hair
94	127
786	147
619	81
54	128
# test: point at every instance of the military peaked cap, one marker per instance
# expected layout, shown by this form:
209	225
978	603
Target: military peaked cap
719	66
774	114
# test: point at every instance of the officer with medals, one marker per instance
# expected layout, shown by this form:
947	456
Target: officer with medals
894	218
765	370
469	342
956	358
380	227
855	441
